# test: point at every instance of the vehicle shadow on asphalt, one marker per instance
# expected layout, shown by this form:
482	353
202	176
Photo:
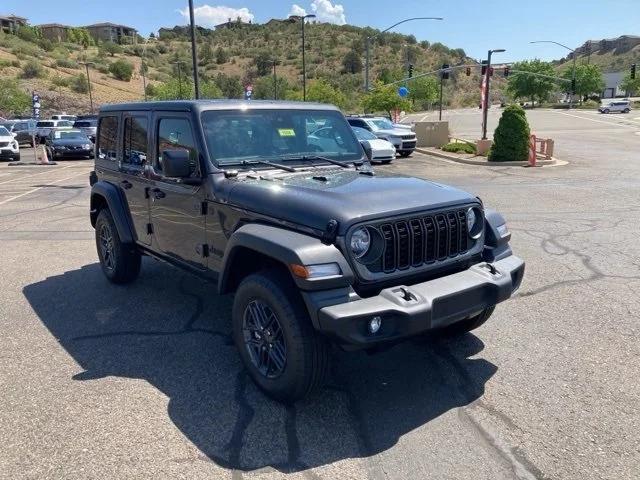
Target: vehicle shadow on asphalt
171	329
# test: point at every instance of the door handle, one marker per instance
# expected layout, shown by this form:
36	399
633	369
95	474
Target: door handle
157	193
126	185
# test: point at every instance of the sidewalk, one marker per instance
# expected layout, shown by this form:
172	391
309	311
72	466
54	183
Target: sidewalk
478	160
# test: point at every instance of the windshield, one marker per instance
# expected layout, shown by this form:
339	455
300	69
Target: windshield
4	132
85	123
363	134
64	134
65	123
236	135
383	123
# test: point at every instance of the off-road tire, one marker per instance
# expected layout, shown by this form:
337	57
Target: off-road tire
124	266
468	324
307	353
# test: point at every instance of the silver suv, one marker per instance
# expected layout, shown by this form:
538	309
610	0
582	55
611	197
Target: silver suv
623	106
403	139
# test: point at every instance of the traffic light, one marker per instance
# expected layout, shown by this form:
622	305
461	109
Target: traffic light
410	70
484	67
445	71
506	71
633	71
468	71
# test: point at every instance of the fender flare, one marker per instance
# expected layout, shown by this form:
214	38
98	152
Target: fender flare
286	247
496	246
118	207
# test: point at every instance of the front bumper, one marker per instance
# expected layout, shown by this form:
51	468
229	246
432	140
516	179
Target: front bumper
407	311
8	153
84	152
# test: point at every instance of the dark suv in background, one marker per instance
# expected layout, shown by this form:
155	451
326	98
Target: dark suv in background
316	246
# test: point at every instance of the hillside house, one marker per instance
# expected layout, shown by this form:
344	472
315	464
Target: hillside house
55	32
111	32
11	23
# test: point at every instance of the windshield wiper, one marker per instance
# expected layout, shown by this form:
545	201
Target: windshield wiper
246	163
330	160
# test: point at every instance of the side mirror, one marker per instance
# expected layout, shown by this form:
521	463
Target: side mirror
366	146
176	163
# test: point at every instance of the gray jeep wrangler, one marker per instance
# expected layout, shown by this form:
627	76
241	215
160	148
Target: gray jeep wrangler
317	248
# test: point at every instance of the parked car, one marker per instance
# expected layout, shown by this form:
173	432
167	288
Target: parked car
88	127
381	127
64	116
316	246
24	130
623	106
9	148
382	151
62	143
45	127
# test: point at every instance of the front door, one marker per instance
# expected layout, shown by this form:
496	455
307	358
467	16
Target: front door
178	223
133	179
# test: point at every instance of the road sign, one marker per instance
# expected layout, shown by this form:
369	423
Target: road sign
403	91
248	92
35	104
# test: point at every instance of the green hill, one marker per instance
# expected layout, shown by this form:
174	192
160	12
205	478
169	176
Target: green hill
612	55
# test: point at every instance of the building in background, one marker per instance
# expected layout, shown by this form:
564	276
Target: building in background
11	23
612	85
111	32
55	32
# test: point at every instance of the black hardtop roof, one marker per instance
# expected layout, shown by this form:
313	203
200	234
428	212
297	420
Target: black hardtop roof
203	105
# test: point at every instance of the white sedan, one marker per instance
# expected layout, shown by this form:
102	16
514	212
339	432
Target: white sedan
9	148
383	151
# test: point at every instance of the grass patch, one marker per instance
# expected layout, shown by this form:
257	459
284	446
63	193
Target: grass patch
459	147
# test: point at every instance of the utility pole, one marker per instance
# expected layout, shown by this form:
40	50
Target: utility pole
194	52
485	104
275	81
86	65
179	65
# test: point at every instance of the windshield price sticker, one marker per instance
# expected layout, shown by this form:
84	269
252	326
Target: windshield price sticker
287	132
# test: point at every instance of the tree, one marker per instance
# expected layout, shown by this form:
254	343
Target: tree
222	56
263	87
111	48
210	90
352	62
263	62
588	79
423	90
121	69
511	138
205	54
79	83
174	89
630	85
28	33
321	91
13	100
384	98
531	80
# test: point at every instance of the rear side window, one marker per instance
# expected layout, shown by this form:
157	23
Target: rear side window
108	138
176	134
45	124
135	141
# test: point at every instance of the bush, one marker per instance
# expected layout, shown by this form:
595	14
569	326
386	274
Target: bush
459	147
511	138
79	84
111	48
13	100
121	69
66	63
60	81
32	69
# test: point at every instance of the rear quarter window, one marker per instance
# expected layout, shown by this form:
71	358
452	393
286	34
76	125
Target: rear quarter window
107	141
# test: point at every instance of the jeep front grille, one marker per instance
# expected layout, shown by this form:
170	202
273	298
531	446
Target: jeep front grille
426	239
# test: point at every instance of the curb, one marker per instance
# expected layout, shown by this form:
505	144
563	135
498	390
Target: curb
554	162
29	164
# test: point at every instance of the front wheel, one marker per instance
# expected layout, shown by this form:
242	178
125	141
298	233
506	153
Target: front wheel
120	262
471	323
606	110
272	330
626	110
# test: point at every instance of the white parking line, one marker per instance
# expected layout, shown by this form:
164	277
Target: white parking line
34	175
594	120
39	188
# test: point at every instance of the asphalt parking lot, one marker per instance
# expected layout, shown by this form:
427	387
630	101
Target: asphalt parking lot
100	381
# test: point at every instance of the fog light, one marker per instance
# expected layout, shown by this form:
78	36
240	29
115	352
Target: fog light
374	324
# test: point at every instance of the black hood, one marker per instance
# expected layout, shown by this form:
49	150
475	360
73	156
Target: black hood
347	196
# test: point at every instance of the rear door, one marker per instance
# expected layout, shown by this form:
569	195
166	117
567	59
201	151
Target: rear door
133	179
177	217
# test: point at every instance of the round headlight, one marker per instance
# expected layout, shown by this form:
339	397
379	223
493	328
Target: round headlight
360	242
474	223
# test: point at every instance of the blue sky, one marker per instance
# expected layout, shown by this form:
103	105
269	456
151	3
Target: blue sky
473	25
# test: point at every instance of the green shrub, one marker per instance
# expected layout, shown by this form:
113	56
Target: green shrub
60	81
121	69
459	147
102	68
79	84
66	63
32	69
511	138
15	63
4	63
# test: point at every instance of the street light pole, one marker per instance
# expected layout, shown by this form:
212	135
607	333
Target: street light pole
194	52
86	65
573	74
275	81
142	69
179	65
304	64
368	45
485	104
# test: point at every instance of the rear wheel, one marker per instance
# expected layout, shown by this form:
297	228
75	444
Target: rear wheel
626	110
282	352
606	110
471	323
120	262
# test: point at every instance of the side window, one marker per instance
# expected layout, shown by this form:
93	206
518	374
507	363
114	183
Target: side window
135	142
176	134
108	138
